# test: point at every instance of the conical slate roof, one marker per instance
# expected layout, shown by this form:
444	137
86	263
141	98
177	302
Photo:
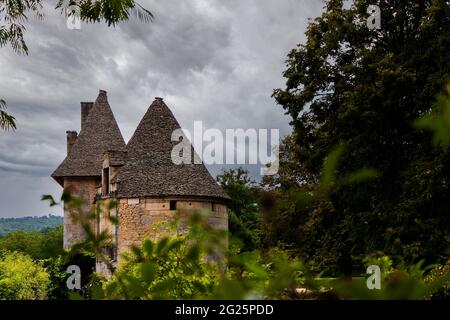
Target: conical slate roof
100	133
149	170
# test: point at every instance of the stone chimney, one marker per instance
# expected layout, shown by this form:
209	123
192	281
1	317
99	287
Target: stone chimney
85	109
71	138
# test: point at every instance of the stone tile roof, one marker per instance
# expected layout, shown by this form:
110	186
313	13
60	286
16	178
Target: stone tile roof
149	170
99	133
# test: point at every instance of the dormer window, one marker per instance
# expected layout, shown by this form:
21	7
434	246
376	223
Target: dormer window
106	181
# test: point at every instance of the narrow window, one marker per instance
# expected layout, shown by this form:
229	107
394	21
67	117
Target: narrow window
173	205
111	253
106	181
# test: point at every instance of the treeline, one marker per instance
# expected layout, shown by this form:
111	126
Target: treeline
43	223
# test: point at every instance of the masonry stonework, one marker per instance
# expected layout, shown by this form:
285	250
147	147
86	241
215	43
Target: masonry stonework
80	188
146	218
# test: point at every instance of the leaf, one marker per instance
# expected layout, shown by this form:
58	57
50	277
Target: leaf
174	244
66	197
6	120
75	296
164	285
113	220
97	292
438	121
111	288
162	245
134	286
113	204
148	247
230	290
194	253
148	271
49	198
359	176
137	252
330	166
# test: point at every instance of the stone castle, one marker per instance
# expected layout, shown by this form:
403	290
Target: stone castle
148	187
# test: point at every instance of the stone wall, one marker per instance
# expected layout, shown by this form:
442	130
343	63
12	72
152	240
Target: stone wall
147	217
80	188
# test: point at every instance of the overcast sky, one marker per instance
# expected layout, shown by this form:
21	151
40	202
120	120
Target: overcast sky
211	60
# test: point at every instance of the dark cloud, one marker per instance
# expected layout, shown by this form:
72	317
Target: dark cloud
211	60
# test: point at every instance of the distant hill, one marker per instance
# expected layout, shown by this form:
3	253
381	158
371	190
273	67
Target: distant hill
29	223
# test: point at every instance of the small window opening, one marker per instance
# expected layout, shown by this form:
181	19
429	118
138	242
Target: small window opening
111	253
173	205
106	181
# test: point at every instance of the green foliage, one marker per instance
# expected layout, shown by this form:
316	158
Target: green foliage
243	208
438	121
384	262
435	274
402	284
57	266
178	267
167	269
363	89
294	216
195	262
182	267
191	266
7	121
21	277
15	12
111	12
43	223
38	245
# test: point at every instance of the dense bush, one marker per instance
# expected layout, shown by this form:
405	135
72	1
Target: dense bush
365	89
437	272
56	267
38	245
21	277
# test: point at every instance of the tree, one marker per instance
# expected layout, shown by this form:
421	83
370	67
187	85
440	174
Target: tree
21	278
6	121
243	209
291	172
13	13
365	88
37	245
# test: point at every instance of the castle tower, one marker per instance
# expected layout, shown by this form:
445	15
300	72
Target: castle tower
141	177
81	171
151	188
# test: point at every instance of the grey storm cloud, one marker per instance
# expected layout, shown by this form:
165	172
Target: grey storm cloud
211	60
